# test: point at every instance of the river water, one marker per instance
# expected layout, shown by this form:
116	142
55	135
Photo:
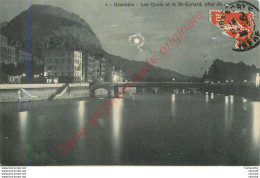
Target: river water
142	129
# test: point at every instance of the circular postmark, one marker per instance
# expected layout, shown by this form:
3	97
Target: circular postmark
241	17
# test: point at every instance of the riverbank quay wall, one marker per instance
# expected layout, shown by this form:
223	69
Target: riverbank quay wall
34	92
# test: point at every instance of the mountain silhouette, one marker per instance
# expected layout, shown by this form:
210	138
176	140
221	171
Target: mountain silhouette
56	28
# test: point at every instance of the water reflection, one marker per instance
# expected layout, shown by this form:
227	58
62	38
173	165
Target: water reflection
23	123
173	97
223	131
228	112
207	98
244	104
226	100
116	117
81	113
176	91
231	98
256	123
173	108
212	96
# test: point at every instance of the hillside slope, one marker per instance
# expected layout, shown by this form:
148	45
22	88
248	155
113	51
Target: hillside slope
61	29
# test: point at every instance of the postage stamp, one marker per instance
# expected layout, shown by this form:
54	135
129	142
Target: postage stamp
237	21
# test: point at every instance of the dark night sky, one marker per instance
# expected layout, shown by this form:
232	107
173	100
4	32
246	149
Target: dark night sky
113	26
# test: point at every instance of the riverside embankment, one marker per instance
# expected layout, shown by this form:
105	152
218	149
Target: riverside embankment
34	92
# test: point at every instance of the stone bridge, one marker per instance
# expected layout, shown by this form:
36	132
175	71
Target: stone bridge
144	86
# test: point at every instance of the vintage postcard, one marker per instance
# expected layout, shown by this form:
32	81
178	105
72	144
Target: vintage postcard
117	82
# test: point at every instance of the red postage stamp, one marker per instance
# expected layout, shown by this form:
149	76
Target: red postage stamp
237	21
238	25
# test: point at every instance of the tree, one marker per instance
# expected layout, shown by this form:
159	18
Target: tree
222	71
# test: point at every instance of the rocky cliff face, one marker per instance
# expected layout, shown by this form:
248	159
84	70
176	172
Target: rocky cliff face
53	26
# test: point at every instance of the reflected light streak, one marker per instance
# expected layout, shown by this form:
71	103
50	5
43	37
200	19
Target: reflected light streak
228	114
231	108
226	100
207	99
231	98
23	120
173	97
117	116
256	123
212	96
81	112
173	109
244	104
